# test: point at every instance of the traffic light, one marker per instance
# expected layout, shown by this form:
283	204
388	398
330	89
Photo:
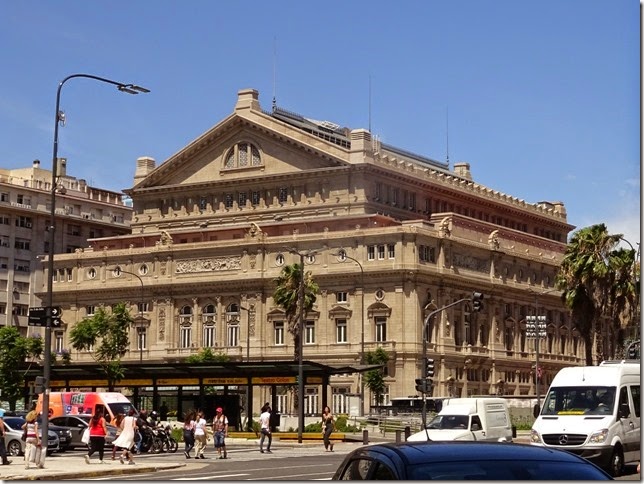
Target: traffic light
39	385
477	304
421	385
429	366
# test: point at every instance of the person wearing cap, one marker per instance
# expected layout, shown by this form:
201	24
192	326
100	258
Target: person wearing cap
220	430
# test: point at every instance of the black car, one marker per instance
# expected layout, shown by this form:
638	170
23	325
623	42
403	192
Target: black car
64	435
465	461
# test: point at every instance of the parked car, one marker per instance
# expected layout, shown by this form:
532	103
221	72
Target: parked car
464	460
64	435
13	437
76	425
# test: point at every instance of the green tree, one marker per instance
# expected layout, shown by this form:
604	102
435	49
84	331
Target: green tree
106	333
286	296
14	351
592	280
208	355
624	290
375	379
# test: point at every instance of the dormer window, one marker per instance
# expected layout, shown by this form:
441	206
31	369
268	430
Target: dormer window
243	155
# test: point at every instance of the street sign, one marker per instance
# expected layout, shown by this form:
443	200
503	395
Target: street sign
38	316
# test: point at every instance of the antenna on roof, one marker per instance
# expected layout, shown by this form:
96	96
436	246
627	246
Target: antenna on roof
274	71
370	102
447	134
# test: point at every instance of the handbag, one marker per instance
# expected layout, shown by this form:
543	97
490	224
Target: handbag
24	435
85	436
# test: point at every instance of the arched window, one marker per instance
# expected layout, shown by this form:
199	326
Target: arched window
242	155
185	327
209	320
232	325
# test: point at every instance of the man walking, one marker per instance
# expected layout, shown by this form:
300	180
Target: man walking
220	429
265	422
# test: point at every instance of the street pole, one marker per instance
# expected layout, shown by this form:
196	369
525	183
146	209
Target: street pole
300	366
423	372
248	402
343	254
139	333
59	118
537	339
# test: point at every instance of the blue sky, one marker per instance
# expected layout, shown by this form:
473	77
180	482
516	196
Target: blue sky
541	98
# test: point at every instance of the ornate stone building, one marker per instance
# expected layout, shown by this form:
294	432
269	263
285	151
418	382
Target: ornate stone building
215	223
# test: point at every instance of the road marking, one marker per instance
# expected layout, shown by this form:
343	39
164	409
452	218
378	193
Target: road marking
210	477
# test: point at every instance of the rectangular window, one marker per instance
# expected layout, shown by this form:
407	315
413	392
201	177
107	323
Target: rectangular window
341	330
282	195
311	402
371	252
391	251
21	244
4	241
4	197
142	339
340	403
209	334
412	201
228	200
58	342
90	310
394	197
309	332
254	198
381	328
233	334
279	333
4	220
381	252
241	199
185	337
341	297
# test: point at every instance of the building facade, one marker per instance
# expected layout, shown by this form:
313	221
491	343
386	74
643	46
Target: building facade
389	236
84	212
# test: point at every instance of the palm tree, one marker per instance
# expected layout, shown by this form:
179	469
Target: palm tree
625	289
286	296
587	278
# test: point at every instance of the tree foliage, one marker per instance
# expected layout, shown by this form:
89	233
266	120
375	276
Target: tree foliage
106	336
286	296
598	280
375	379
208	355
14	351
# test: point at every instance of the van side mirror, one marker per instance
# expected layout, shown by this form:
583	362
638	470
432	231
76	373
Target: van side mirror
535	410
624	411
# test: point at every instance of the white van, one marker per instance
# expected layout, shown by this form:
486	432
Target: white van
484	418
594	412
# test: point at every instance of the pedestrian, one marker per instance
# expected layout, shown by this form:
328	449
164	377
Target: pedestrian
200	435
141	425
125	441
328	426
32	442
189	433
265	423
3	448
220	430
97	433
117	423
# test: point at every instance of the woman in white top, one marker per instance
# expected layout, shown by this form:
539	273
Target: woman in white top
33	439
125	440
200	436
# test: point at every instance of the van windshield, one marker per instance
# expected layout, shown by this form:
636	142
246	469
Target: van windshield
121	407
448	422
579	400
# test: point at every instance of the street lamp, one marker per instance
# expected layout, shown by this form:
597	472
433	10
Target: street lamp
537	338
342	254
248	403
140	319
300	367
60	118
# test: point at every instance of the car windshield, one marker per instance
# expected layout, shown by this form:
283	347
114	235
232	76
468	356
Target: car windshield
504	470
579	401
448	422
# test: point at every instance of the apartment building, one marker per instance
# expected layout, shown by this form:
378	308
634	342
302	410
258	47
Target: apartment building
82	212
389	236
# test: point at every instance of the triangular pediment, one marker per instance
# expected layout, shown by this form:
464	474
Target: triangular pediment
244	145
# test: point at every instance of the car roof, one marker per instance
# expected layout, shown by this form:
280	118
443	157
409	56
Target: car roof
458	451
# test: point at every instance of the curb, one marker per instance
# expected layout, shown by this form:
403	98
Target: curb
49	474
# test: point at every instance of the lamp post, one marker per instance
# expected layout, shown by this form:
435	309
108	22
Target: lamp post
343	255
248	403
300	367
60	118
140	317
537	338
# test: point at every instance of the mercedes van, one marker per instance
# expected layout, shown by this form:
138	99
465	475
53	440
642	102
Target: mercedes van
477	418
594	412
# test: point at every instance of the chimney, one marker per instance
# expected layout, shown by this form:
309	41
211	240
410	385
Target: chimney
248	99
36	164
361	146
61	167
144	166
462	169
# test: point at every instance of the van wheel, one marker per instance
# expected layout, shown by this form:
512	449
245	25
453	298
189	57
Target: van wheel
616	462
